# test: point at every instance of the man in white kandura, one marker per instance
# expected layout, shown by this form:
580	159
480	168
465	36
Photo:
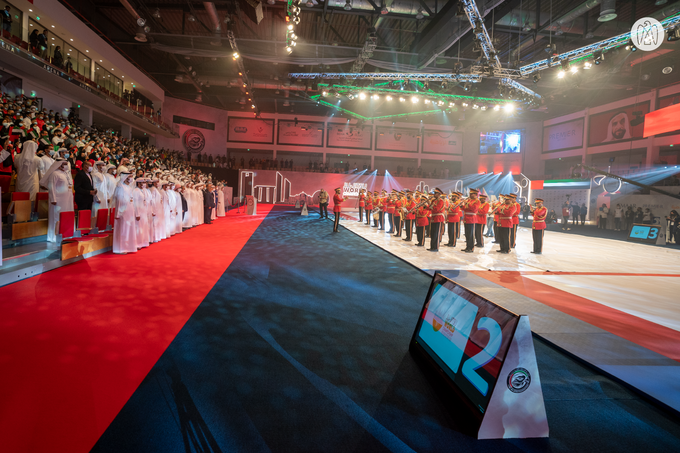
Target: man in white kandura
220	201
60	190
27	165
141	213
124	234
99	182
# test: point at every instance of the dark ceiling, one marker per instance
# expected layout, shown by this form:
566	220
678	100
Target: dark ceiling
331	38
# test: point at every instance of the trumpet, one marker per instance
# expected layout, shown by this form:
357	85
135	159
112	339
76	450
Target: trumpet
422	203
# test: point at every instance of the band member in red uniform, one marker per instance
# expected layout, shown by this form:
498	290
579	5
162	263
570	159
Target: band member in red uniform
389	209
480	221
409	204
438	211
337	202
398	206
362	204
381	209
515	220
495	207
454	212
376	209
470	208
421	222
505	213
369	207
538	225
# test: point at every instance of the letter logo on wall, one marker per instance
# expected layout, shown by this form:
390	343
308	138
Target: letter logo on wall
519	380
240	129
193	140
647	34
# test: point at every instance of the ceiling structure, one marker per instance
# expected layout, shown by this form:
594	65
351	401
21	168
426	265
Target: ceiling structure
185	46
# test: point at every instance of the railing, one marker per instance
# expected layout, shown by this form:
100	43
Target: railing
19	48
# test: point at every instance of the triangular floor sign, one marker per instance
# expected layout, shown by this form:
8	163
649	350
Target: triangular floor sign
304	210
516	409
297	204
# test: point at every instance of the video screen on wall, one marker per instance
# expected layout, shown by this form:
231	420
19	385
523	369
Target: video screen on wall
466	336
500	142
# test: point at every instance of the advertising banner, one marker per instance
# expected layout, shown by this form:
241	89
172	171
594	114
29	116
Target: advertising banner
304	133
559	137
346	136
615	125
397	139
443	142
250	130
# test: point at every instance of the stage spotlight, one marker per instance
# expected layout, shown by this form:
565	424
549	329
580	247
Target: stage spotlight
376	97
560	75
509	107
362	95
475	106
587	65
440	102
335	93
537	77
630	46
452	104
350	96
388	98
290	27
673	34
414	99
466	86
289	49
465	104
598	57
496	107
484	107
574	69
324	93
426	101
401	99
668	69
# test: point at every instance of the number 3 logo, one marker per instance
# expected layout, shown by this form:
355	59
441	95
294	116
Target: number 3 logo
653	233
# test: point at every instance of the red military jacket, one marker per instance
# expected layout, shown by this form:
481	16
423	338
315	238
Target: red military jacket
369	202
495	206
379	203
410	205
539	218
482	211
421	216
470	208
362	198
438	209
454	213
337	201
397	207
389	206
505	214
515	216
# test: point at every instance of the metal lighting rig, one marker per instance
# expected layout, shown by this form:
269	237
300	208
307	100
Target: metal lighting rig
388	76
247	84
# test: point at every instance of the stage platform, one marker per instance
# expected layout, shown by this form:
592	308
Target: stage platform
610	303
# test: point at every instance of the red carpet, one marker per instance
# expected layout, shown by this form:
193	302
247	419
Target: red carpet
645	333
77	341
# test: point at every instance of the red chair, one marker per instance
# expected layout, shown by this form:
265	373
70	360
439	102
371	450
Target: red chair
112	216
40	196
102	220
17	196
84	221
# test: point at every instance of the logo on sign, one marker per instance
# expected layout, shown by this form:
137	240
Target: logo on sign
519	380
351	189
240	129
193	140
647	34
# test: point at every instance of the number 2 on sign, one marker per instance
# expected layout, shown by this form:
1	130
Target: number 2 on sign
484	356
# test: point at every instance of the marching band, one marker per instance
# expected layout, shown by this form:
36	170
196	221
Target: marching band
433	211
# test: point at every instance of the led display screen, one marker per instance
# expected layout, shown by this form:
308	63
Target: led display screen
466	336
500	142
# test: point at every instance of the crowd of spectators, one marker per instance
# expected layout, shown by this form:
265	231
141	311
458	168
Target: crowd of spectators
62	137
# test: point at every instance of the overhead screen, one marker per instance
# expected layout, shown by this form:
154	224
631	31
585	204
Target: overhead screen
500	142
468	338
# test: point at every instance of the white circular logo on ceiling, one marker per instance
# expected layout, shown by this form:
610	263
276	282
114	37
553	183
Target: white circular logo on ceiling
647	34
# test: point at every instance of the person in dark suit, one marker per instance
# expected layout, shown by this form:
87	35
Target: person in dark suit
208	204
84	188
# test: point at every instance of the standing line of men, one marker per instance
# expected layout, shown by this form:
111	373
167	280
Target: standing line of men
432	212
